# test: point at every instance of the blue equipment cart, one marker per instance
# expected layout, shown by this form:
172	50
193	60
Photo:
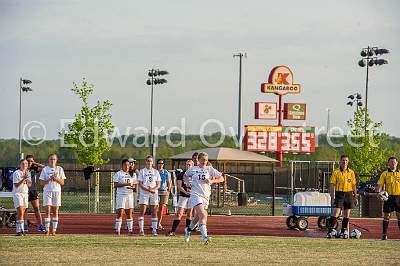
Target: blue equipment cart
298	216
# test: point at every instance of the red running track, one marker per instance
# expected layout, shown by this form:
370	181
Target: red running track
217	225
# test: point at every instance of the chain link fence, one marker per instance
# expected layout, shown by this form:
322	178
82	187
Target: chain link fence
248	189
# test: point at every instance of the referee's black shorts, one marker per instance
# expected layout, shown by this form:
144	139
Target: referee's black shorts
392	204
344	200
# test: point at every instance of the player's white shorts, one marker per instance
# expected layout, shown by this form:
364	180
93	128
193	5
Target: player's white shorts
124	201
51	198
183	202
196	200
148	198
20	200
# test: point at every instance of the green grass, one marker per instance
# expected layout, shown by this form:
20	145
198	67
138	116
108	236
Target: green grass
234	250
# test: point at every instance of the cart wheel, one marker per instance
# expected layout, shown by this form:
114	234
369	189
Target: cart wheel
302	223
322	222
291	222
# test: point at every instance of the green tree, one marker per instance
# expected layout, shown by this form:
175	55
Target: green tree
87	135
365	145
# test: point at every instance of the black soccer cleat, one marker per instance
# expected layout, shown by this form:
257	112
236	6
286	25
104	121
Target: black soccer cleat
384	237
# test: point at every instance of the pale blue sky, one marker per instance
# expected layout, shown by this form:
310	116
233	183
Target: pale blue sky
113	43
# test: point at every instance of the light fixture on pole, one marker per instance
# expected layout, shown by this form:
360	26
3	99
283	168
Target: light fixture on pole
355	99
240	55
23	87
151	81
370	58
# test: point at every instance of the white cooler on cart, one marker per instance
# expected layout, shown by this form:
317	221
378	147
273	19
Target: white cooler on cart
308	204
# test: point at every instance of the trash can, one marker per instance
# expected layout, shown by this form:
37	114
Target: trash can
242	199
371	207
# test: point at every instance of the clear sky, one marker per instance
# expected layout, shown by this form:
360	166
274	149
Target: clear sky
114	43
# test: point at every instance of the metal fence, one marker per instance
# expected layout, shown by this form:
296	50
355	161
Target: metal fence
246	191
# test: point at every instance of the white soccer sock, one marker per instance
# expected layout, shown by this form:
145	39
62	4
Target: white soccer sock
55	224
18	225
21	225
47	224
203	230
154	223
129	222
118	223
141	224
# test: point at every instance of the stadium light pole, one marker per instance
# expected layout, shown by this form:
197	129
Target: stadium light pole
151	81
23	87
239	130
370	58
355	99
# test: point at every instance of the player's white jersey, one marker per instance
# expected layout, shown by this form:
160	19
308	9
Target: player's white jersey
124	177
198	176
17	177
45	175
149	177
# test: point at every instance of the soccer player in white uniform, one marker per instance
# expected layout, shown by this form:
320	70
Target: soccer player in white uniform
21	183
52	178
149	182
125	184
202	177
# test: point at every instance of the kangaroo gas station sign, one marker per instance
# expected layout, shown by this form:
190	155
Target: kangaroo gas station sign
280	81
279	138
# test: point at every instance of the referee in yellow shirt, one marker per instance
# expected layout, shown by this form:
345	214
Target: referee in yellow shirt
343	191
391	180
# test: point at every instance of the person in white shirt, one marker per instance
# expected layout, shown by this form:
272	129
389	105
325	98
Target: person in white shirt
21	183
52	178
149	182
202	177
125	184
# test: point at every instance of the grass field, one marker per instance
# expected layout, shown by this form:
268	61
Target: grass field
106	250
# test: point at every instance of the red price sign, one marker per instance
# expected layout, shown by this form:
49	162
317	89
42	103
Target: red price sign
280	139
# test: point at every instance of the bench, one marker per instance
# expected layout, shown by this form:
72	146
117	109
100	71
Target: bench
5	211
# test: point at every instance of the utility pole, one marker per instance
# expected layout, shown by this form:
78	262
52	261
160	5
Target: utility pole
239	127
328	122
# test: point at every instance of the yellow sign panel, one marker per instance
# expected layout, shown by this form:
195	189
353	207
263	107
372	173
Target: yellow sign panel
264	128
